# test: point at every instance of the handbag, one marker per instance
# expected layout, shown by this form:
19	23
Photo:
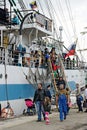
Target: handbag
69	104
84	104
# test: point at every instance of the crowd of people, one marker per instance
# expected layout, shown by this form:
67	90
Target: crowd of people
40	58
42	99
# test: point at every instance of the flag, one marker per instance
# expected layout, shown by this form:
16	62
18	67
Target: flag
55	67
71	50
33	5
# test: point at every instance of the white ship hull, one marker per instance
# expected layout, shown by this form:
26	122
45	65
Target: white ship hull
16	88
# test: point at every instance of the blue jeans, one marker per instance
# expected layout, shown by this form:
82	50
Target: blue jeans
40	110
79	105
62	101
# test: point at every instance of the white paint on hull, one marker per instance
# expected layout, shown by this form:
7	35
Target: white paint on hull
17	105
16	76
76	75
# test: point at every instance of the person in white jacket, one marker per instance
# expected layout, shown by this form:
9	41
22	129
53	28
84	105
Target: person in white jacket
85	96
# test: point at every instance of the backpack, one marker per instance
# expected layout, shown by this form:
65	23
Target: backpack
80	97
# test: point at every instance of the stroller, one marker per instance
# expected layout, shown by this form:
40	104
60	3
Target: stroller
31	110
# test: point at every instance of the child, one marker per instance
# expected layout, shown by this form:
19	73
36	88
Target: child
69	105
47	105
61	99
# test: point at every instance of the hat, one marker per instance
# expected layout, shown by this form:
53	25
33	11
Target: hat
60	76
48	86
77	85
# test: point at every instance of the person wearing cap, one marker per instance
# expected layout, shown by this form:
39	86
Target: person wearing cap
48	94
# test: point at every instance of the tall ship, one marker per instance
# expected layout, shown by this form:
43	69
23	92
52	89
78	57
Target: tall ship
30	53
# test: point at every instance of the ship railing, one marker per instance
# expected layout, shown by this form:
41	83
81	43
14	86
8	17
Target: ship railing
17	58
20	58
33	17
40	19
71	64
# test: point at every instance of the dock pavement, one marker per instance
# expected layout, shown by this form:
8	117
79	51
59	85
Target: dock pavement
74	121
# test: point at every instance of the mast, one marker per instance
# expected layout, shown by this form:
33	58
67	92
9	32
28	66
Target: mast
60	38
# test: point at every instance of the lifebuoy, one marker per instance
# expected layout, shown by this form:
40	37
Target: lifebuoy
7	112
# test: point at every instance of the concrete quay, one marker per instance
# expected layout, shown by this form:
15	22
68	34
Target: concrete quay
74	121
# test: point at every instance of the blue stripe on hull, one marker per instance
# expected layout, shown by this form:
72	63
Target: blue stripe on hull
16	91
21	91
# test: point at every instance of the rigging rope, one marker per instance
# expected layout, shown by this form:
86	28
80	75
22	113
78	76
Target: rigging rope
71	16
41	7
28	79
52	16
5	75
63	16
54	11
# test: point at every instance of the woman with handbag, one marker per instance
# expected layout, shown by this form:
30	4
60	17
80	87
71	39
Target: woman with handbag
85	97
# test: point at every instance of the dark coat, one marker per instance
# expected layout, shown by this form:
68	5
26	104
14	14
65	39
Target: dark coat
59	82
39	95
48	94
